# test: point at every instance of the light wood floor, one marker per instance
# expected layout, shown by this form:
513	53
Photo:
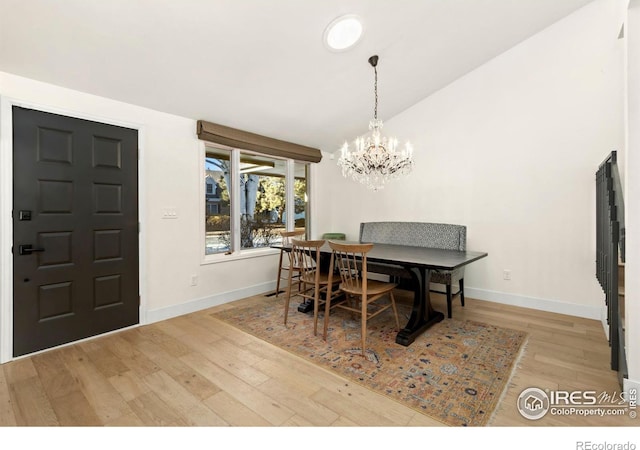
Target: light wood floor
194	370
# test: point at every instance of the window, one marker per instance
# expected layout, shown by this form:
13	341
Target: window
246	199
218	209
300	195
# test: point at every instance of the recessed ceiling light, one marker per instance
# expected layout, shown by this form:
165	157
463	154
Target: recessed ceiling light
343	33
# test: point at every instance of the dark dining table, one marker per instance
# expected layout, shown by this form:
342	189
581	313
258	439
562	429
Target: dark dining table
418	262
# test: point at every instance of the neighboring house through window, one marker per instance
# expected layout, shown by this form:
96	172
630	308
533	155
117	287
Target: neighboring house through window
246	199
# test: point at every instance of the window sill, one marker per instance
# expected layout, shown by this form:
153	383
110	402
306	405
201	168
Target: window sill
243	254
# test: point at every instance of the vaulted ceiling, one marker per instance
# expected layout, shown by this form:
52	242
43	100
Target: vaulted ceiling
261	65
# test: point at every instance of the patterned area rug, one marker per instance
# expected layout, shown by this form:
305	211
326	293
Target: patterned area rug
454	372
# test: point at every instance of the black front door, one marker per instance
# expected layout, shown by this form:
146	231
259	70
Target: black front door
75	229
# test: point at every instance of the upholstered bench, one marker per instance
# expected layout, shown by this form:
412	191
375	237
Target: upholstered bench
420	234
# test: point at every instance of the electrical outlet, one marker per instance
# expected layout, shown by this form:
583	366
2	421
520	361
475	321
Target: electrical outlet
194	280
506	274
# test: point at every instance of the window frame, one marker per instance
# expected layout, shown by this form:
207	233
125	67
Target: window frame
237	252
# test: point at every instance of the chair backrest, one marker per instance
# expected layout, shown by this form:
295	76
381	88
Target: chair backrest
350	261
287	236
418	234
335	236
306	256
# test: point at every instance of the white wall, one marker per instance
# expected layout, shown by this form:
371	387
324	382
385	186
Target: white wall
172	250
511	150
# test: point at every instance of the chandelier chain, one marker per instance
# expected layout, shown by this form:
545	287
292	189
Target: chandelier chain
375	89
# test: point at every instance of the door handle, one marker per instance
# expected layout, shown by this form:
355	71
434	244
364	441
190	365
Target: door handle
28	249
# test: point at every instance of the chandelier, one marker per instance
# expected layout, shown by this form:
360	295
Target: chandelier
375	159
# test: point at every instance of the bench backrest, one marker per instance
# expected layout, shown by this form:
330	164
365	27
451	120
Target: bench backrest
418	234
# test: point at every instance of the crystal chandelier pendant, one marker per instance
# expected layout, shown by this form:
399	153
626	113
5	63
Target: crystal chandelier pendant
374	159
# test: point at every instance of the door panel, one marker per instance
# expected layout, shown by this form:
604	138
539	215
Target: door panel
75	203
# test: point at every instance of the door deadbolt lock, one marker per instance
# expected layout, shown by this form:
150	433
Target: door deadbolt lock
28	249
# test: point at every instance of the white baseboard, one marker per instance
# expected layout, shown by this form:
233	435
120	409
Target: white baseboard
631	384
588	312
157	315
572	309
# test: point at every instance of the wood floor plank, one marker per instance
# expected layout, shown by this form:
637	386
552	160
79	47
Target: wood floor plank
73	409
56	379
344	422
571	362
556	348
190	379
153	412
312	412
289	374
7	416
233	358
391	410
343	404
231	333
126	346
171	345
130	420
232	351
297	421
234	412
20	369
106	361
33	405
190	409
196	384
269	408
420	420
101	395
129	385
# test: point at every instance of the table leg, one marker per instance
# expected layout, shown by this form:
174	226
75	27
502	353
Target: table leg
306	306
422	315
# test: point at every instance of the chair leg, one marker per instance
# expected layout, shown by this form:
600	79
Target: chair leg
461	282
449	301
316	300
327	308
288	298
363	328
279	275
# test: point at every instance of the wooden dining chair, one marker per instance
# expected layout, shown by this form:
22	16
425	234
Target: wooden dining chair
314	281
285	263
350	261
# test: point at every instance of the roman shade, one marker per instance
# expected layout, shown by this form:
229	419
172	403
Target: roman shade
232	137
